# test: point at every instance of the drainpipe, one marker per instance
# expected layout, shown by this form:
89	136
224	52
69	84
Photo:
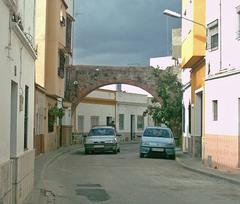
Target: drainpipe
220	23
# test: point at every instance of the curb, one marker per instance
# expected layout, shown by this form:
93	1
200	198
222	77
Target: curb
36	192
233	181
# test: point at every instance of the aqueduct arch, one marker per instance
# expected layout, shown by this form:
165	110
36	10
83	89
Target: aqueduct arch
83	79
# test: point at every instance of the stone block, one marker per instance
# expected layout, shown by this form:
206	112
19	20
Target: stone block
5	183
23	176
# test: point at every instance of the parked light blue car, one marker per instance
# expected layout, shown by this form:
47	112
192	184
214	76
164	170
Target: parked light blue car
157	141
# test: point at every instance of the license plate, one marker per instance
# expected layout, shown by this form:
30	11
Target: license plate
158	149
98	146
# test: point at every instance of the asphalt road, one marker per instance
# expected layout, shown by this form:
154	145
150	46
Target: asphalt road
124	178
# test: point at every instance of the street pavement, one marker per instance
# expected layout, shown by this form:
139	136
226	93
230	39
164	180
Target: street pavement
75	178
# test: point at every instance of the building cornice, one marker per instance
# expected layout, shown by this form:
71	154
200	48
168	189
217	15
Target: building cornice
70	16
102	101
132	103
11	4
186	86
40	88
22	36
223	74
65	4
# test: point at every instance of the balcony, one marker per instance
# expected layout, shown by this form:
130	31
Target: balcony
25	38
194	44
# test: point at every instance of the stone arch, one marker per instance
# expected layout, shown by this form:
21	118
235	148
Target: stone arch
83	79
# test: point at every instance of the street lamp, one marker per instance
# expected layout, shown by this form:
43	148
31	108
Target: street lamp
174	14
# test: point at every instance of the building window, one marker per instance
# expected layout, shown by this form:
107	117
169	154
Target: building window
140	122
61	63
215	110
189	119
69	33
51	120
183	118
109	120
26	118
80	123
238	22
121	121
212	35
94	121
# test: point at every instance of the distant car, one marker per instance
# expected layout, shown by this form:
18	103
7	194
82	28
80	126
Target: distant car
157	141
102	139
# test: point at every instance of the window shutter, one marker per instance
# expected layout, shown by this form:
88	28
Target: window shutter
208	43
212	29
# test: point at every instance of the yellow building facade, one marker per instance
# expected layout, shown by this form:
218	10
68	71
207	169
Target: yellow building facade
193	58
52	26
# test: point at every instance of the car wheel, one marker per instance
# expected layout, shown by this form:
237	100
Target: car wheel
141	155
115	151
173	157
119	149
86	151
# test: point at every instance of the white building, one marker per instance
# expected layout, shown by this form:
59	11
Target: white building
101	107
17	99
162	62
186	114
222	110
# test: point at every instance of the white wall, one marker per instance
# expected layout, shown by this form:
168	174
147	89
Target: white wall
226	92
5	84
87	110
230	45
185	75
20	58
186	101
132	104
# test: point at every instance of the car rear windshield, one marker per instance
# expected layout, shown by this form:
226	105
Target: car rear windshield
152	132
101	132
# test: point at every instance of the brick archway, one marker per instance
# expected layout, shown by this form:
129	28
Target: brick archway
83	79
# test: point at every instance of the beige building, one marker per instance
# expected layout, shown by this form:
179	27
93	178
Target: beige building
54	47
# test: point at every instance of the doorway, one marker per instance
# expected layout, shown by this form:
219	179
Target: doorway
199	124
109	120
13	119
132	127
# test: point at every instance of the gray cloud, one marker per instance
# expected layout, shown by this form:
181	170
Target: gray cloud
122	32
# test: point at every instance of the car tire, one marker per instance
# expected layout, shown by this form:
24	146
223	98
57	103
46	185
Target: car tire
115	151
86	151
119	149
141	155
173	157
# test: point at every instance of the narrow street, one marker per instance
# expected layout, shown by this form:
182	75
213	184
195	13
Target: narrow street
126	179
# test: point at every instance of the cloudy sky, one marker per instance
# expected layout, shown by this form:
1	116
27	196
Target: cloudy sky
122	32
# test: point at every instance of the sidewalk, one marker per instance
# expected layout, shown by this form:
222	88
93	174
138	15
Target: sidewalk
41	163
196	165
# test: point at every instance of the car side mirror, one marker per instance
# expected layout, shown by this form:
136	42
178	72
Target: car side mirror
118	135
84	135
